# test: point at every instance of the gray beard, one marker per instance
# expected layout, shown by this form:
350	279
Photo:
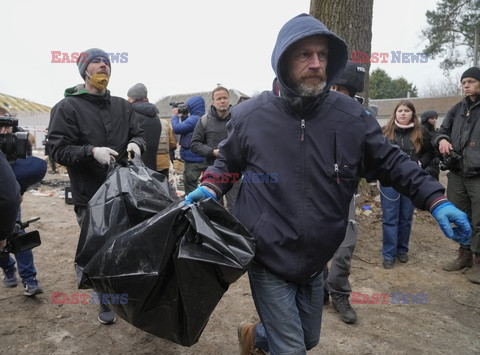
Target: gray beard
308	91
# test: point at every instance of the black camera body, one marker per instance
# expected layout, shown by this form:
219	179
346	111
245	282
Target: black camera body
181	106
13	145
450	161
18	242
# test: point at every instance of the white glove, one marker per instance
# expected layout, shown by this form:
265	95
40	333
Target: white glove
133	147
103	154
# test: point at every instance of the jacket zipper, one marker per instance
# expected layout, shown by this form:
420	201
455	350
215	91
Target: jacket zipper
335	164
302	126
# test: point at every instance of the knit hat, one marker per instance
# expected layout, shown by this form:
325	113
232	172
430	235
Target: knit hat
86	57
472	72
138	92
427	114
352	78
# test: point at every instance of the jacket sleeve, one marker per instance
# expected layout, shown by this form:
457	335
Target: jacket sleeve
197	144
224	172
184	127
9	198
387	163
135	131
446	128
62	134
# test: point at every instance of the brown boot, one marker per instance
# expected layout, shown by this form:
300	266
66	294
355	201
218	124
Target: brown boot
464	260
246	339
474	273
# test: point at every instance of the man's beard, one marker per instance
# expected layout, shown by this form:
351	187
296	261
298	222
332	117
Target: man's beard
306	88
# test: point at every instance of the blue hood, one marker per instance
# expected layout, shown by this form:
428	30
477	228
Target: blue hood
196	105
298	28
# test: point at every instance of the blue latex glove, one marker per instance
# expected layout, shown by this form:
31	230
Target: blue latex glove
447	213
200	193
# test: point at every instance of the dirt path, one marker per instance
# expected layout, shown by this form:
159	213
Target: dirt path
445	320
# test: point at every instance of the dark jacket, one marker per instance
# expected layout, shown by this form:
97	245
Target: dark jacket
301	160
196	108
461	128
206	139
152	127
82	121
9	198
433	168
404	142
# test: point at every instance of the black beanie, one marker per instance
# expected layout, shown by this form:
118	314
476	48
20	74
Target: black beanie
472	72
352	78
86	57
428	114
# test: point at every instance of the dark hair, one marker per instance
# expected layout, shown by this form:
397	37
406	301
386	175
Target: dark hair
417	134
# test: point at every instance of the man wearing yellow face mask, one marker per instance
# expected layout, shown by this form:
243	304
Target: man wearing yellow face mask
88	129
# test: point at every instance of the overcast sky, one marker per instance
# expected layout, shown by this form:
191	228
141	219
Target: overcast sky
179	46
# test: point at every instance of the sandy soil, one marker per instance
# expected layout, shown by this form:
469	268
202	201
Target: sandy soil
445	320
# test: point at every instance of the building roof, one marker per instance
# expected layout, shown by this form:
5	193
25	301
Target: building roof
439	104
165	110
15	105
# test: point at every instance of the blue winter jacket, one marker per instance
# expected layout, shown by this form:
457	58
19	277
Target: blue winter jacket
196	108
301	160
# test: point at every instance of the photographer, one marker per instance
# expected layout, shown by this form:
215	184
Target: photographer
28	170
458	141
9	200
193	163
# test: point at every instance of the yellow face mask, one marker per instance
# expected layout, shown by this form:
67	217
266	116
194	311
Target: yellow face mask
100	81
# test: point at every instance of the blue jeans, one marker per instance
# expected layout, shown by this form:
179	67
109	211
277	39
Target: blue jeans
291	314
26	268
397	215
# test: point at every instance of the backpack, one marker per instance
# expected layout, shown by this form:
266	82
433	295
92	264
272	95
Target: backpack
164	136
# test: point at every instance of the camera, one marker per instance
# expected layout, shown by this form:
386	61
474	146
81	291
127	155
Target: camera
450	161
181	106
18	242
13	145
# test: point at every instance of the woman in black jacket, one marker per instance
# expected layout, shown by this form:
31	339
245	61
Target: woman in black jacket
404	130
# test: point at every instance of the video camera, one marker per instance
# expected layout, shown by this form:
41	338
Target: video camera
450	161
14	145
181	106
17	242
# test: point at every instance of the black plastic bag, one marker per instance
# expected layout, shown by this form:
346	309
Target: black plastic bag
174	268
130	195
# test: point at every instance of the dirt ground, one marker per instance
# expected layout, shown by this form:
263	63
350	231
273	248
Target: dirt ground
446	319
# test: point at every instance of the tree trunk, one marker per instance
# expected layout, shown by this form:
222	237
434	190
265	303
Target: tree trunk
351	20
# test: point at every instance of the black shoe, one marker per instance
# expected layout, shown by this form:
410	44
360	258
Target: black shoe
31	288
388	264
342	305
105	315
10	277
403	258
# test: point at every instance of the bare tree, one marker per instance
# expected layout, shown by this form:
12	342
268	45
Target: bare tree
351	20
446	87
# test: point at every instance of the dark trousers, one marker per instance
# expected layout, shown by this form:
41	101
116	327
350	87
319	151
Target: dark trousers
191	175
464	193
337	277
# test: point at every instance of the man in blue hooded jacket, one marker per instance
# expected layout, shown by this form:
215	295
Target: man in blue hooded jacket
193	163
315	143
